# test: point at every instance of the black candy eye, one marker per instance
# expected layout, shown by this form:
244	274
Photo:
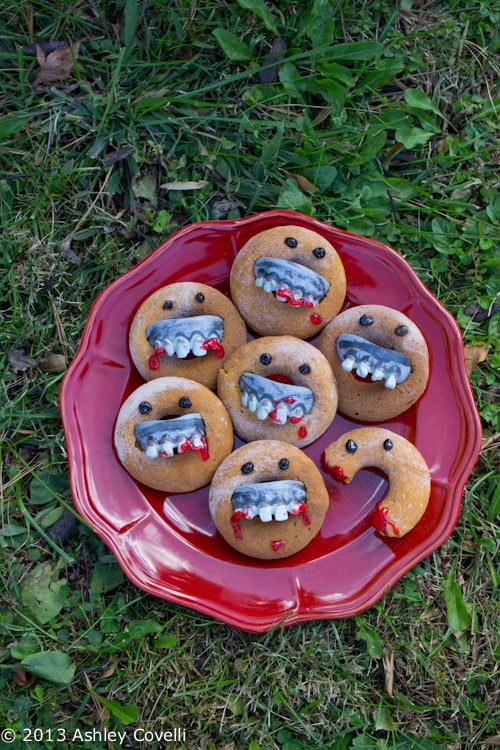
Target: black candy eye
319	252
284	463
144	407
168	305
401	330
351	446
304	369
200	297
387	445
265	359
184	402
366	320
247	468
291	242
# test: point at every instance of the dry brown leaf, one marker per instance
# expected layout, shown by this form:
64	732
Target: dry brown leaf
54	363
23	678
389	669
57	65
493	741
20	362
302	182
474	355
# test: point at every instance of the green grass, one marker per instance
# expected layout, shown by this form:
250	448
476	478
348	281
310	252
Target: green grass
391	115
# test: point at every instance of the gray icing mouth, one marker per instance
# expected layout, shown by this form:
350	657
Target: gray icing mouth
273	400
181	336
165	437
292	282
366	358
269	500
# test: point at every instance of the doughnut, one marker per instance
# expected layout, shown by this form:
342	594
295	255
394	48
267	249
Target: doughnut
268	499
407	472
287	280
171	434
185	330
380	360
280	388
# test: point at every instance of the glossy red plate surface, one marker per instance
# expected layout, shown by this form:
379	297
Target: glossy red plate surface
169	547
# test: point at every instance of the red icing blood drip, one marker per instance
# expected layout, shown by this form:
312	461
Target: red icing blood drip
187	445
305	515
284	292
215	345
235	522
302	432
316	319
382	523
154	362
277	544
337	473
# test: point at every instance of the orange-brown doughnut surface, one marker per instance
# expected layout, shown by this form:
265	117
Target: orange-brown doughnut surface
172	433
288	280
402	463
185	330
268	499
380	360
278	388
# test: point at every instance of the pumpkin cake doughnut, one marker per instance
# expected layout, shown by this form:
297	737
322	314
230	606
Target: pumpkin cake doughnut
278	388
406	469
288	280
268	499
185	330
380	360
172	433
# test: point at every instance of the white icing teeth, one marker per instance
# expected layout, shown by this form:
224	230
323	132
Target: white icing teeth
277	401
196	346
166	448
378	373
152	450
390	382
363	368
293	282
252	402
280	512
182	347
363	357
270	500
264	409
281	413
265	512
349	363
181	336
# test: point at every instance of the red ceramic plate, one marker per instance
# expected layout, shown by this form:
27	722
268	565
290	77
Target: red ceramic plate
168	546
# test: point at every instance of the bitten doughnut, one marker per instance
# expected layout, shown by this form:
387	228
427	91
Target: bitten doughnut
380	359
185	330
268	499
172	433
288	280
406	469
278	388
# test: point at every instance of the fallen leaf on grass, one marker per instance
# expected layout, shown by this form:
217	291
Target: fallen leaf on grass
270	66
474	355
23	678
20	362
184	185
54	363
57	65
388	657
302	182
